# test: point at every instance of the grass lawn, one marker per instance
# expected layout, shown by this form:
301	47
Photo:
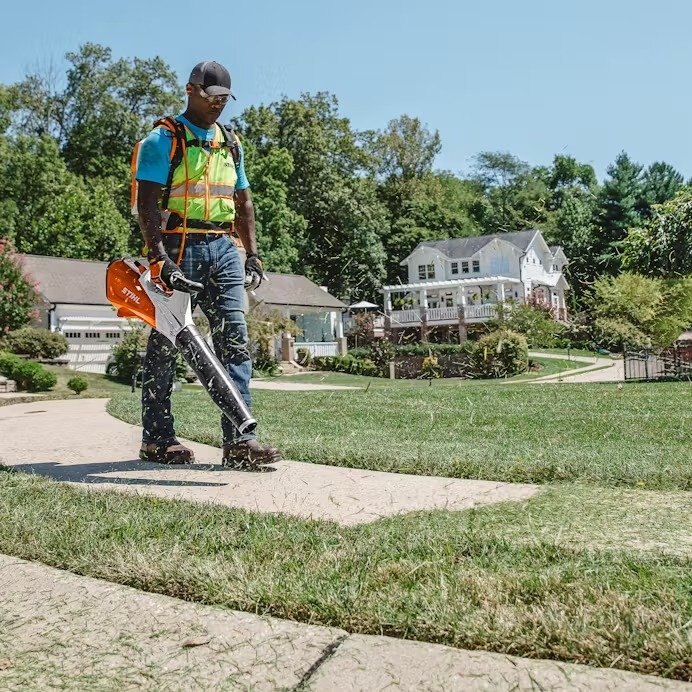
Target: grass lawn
637	436
523	579
595	569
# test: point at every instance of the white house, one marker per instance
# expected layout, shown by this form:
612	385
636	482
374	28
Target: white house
73	301
461	281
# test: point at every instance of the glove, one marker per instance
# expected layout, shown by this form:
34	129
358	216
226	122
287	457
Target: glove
253	272
162	268
166	275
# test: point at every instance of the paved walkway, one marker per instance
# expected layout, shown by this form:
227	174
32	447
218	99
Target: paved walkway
598	369
62	631
78	442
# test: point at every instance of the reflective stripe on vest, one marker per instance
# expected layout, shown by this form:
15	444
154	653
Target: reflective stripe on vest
206	178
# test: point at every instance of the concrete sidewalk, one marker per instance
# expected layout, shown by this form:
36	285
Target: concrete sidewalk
76	441
598	369
62	631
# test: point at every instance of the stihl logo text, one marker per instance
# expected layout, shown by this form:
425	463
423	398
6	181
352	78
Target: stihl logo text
130	294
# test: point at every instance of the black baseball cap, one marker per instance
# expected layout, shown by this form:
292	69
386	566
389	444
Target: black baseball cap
214	78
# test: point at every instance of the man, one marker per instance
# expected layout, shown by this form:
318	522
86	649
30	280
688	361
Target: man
190	188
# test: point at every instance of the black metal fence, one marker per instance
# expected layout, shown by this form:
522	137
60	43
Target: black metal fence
674	363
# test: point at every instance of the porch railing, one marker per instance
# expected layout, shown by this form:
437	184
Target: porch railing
319	348
471	312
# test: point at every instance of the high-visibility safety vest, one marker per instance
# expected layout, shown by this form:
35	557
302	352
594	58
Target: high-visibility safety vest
201	178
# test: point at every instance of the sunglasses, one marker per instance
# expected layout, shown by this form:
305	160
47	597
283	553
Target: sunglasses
216	100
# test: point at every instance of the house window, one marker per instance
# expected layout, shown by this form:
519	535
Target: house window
455	267
476	266
92	335
426	271
73	335
449	300
464	267
112	335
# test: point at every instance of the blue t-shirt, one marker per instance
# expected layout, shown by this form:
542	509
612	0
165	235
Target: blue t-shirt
154	157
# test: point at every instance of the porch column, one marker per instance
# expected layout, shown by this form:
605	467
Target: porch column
500	293
339	324
461	309
423	300
387	300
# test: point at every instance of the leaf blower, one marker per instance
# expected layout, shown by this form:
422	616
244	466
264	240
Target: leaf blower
130	289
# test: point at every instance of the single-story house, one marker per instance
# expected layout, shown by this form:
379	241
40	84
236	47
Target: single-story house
73	301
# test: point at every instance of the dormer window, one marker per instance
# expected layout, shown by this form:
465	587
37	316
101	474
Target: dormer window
464	267
426	271
455	267
476	267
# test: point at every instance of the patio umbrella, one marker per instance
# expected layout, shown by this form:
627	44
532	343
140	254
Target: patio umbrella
362	304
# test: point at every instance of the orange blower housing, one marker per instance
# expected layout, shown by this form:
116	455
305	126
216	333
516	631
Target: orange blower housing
125	292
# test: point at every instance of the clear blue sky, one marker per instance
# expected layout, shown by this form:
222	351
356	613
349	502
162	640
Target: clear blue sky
588	78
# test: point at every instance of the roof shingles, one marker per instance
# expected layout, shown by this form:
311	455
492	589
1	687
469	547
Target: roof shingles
83	282
467	247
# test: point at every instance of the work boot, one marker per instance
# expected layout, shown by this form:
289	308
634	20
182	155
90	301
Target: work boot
166	453
249	455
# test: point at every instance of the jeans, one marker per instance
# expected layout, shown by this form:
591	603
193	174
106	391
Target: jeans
215	262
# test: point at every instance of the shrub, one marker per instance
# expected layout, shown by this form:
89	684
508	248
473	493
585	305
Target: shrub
430	369
534	320
263	326
425	349
39	379
382	352
304	356
78	384
502	353
128	354
628	306
615	334
28	374
349	364
35	343
9	363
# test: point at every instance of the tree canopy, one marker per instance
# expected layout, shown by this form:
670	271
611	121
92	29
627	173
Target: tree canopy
342	206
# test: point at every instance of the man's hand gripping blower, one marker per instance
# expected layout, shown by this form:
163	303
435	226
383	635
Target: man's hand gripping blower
132	292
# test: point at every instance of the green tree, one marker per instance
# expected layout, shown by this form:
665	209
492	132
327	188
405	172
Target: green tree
279	229
567	174
640	309
432	207
405	150
18	298
329	188
422	204
105	107
48	210
517	195
660	182
617	212
663	247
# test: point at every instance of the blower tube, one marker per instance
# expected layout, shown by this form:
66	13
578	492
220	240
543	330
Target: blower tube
214	379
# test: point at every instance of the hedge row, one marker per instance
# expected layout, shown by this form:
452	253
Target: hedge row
28	375
35	343
501	353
